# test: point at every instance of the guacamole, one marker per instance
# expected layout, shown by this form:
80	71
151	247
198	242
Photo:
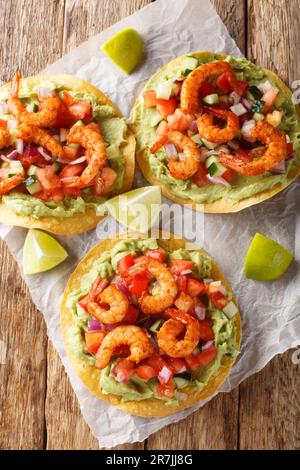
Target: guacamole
106	266
114	131
144	118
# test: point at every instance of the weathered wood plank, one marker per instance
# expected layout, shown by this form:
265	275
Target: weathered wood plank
22	329
233	14
82	19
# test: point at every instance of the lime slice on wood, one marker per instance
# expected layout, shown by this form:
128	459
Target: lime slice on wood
125	49
41	252
266	259
138	209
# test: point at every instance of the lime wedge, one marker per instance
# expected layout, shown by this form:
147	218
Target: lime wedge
266	260
137	210
125	49
41	252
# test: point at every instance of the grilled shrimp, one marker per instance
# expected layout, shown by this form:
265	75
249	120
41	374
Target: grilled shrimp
129	335
189	165
10	183
4	138
167	336
189	97
214	133
276	151
93	142
40	137
117	302
47	115
164	291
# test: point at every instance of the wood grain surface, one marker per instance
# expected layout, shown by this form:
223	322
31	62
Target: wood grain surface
38	409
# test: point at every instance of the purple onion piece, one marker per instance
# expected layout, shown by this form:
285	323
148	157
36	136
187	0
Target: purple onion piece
207	345
171	150
94	325
124	289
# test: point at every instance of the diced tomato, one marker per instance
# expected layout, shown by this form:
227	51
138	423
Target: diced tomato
179	265
131	315
289	148
166	390
206	331
137	283
149	98
158	363
269	98
182	282
81	110
73	192
206	357
71	170
223	84
145	372
125	263
242	87
228	175
57	194
218	299
70	153
83	302
195	287
179	121
192	361
124	370
93	340
98	286
3	124
243	155
162	128
206	89
67	98
104	182
166	107
64	118
48	179
158	255
43	196
199	178
177	364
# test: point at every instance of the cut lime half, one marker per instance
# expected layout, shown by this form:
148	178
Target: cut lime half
138	210
266	259
41	252
125	49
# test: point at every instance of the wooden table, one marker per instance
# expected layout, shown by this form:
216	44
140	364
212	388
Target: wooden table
38	409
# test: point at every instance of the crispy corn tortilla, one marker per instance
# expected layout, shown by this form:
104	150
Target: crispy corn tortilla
223	205
90	376
77	223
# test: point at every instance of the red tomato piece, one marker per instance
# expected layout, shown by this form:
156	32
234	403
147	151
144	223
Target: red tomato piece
165	374
145	372
71	170
223	84
125	263
149	98
269	98
206	331
206	89
81	110
83	302
42	195
123	371
242	155
166	390
93	340
228	175
70	153
192	361
73	192
162	128
3	124
97	288
179	265
199	178
131	315
158	255
166	107
178	365
195	287
57	194
94	126
48	179
218	299
182	282
157	362
137	283
206	357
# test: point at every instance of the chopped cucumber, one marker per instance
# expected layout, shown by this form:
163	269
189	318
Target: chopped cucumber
180	382
32	185
156	119
63	134
56	167
258	117
16	168
32	107
211	99
156	326
164	90
197	139
211	159
79	123
230	310
185	72
255	92
215	168
209	145
190	63
32	170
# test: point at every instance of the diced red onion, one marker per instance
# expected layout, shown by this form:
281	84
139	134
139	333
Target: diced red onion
210	152
223	149
4	109
124	289
20	146
246	103
44	92
200	312
94	325
185	272
246	130
218	180
171	150
31	150
78	160
207	280
290	157
47	155
287	138
120	376
62	160
207	345
165	374
279	169
193	126
235	97
264	87
217	286
233	145
178	80
238	109
11	156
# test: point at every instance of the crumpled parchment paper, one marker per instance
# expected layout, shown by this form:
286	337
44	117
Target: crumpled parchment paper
270	311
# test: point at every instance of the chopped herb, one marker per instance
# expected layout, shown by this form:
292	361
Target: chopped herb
257	106
186	72
255	92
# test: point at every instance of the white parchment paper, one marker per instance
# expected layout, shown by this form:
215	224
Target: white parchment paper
270	311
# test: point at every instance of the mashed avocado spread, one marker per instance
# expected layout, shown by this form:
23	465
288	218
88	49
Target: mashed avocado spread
136	388
113	129
243	187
